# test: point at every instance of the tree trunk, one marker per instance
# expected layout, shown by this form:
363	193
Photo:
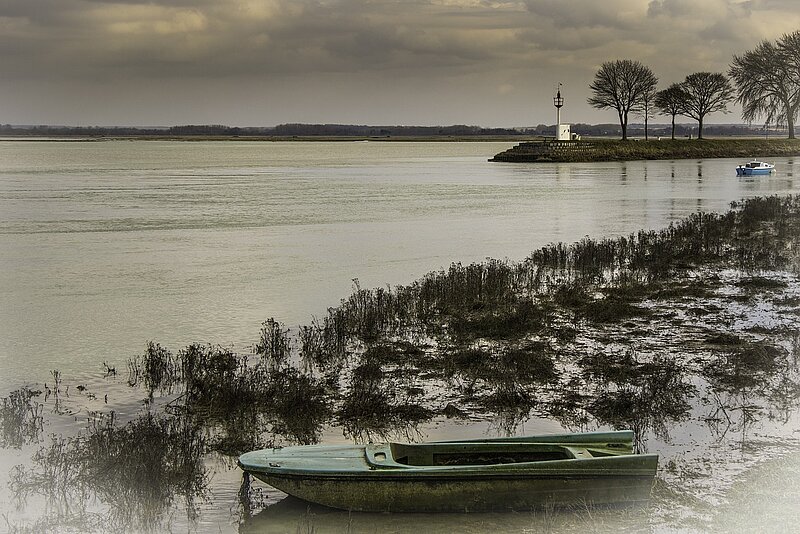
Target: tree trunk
700	128
790	125
623	123
673	127
645	126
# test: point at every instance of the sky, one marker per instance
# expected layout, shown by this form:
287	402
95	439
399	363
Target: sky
491	63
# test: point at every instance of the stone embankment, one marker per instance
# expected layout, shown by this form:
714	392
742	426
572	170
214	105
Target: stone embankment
548	150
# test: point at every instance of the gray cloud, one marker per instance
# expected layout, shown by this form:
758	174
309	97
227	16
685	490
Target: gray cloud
473	50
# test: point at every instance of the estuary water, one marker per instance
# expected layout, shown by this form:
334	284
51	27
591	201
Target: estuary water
108	244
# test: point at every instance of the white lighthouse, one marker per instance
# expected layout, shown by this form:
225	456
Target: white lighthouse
562	130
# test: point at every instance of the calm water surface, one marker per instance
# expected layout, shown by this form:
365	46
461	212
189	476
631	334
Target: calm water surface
109	244
106	245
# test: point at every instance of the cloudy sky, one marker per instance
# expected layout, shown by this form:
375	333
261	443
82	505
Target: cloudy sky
426	62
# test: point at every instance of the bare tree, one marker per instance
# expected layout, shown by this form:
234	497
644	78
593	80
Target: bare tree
621	85
671	101
645	107
789	51
767	80
706	92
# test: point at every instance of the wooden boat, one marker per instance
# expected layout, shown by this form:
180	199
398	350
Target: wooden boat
754	168
518	473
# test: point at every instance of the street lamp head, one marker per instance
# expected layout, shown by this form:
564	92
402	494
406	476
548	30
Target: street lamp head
558	101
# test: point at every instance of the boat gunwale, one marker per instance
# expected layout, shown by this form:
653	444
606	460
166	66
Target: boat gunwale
597	438
601	466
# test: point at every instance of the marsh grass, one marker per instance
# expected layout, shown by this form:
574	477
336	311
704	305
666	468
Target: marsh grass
472	325
299	405
156	369
398	354
760	284
21	418
274	346
215	386
374	406
702	288
501	299
514	320
137	469
612	310
744	365
640	395
529	362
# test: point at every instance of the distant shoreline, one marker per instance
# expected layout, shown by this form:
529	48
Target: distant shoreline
630	144
267	138
356	132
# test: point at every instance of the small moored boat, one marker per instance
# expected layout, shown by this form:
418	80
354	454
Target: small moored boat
518	473
754	168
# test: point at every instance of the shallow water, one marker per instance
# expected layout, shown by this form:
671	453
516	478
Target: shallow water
110	244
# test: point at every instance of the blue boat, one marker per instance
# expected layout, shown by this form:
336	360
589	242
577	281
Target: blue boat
754	168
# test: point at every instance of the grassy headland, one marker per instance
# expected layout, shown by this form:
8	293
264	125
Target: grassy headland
616	150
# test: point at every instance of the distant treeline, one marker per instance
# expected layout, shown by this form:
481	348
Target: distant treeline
350	130
282	130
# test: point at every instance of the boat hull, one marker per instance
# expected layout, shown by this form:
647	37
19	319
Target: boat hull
755	168
518	473
753	172
486	494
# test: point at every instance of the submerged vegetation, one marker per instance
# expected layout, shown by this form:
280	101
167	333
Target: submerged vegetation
645	331
20	418
138	470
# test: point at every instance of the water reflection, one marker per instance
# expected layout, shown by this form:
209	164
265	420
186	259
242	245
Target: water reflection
642	396
137	470
294	515
21	420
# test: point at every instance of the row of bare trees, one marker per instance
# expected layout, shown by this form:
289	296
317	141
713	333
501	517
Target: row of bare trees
767	84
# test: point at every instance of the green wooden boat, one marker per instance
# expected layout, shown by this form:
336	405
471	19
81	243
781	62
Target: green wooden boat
518	473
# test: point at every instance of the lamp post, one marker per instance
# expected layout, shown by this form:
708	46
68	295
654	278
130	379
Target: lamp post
558	101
